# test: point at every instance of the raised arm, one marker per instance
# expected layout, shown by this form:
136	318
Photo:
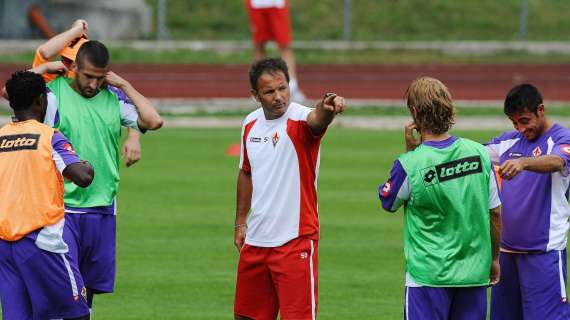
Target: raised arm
54	45
243	199
148	116
324	113
50	67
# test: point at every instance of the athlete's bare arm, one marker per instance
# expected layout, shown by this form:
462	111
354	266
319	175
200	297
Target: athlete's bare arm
54	45
495	217
131	150
50	67
324	113
543	164
243	199
148	116
80	173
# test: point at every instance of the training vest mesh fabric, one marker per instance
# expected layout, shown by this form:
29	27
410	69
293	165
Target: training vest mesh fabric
93	126
447	240
32	187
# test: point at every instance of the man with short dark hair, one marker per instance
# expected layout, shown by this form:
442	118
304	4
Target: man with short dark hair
91	115
66	45
452	211
534	162
277	271
39	276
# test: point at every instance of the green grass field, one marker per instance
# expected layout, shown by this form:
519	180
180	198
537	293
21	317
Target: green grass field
176	258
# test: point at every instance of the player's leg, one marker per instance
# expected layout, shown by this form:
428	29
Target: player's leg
506	300
14	296
259	50
280	30
427	303
98	249
53	282
469	304
255	295
260	30
543	286
294	269
279	26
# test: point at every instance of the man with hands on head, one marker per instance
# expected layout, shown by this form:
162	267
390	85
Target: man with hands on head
66	44
452	211
91	116
277	225
533	161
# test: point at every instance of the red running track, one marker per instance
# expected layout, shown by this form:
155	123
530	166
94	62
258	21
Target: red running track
467	82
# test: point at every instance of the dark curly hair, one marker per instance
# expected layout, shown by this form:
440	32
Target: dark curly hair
23	88
521	98
430	104
269	65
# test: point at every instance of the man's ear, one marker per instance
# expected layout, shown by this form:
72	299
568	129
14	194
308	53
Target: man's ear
540	110
255	95
74	67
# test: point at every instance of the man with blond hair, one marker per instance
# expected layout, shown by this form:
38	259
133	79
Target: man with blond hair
452	211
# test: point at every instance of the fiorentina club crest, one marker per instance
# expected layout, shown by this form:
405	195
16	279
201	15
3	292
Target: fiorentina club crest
536	152
275	139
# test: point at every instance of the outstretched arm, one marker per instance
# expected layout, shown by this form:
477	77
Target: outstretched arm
243	197
54	45
324	113
148	116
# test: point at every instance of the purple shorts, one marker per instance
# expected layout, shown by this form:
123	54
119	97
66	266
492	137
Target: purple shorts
37	284
430	303
532	286
91	239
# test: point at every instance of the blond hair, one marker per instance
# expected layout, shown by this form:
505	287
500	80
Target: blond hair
430	104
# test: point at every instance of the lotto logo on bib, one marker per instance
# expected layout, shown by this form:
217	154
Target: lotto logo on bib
18	142
451	170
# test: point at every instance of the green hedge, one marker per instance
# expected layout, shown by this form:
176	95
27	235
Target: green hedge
393	20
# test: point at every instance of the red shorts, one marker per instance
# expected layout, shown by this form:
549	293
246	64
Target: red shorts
270	24
278	280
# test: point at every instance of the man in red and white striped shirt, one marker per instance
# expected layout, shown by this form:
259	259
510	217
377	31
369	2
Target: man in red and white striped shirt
277	186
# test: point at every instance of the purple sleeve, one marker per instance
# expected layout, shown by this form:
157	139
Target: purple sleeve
388	192
120	94
63	153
